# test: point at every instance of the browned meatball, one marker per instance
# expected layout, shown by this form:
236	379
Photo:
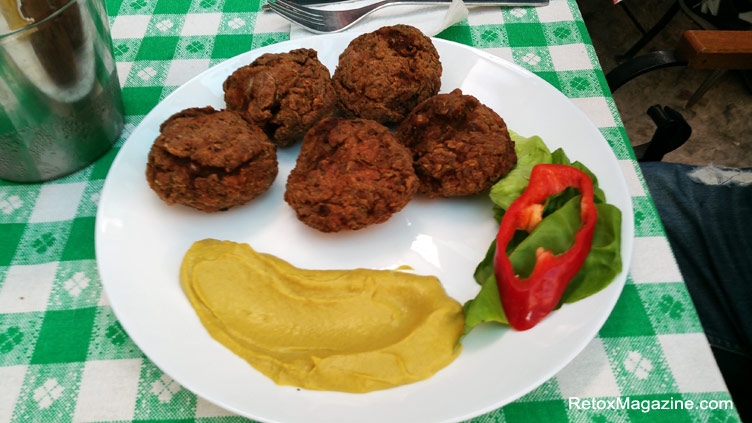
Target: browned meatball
350	174
210	160
285	94
384	74
459	146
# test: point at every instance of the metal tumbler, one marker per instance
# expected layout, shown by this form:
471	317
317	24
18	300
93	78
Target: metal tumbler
61	102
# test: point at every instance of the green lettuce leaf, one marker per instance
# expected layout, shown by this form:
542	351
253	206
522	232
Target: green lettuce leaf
486	307
555	232
559	157
530	152
604	261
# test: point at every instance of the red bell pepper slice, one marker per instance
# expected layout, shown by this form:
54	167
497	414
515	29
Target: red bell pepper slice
527	301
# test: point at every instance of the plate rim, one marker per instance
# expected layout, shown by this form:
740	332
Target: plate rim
620	282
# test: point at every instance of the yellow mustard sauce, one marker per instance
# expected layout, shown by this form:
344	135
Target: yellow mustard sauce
340	330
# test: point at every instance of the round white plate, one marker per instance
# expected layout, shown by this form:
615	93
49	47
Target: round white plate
140	242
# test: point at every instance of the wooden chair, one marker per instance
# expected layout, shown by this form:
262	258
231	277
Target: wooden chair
698	49
718	51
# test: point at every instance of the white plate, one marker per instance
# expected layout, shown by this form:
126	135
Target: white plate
140	242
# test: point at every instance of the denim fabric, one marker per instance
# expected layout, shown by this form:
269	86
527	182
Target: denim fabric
710	231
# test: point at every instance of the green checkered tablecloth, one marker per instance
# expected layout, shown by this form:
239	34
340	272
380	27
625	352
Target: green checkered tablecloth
65	357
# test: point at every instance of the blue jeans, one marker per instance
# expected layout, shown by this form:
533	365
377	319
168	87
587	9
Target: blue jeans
709	228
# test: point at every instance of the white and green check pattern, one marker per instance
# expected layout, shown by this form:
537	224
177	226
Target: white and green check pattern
65	357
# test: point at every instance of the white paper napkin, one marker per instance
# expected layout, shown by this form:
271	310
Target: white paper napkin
431	20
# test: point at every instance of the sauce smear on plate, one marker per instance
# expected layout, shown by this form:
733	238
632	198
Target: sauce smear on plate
340	330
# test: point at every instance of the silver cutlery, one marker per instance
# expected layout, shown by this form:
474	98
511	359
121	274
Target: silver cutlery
323	21
500	3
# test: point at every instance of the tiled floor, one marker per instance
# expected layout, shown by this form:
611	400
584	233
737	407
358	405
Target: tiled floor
721	121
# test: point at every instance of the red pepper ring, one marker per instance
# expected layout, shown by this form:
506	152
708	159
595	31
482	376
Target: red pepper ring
527	301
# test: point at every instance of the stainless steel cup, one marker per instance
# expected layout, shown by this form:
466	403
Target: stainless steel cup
60	94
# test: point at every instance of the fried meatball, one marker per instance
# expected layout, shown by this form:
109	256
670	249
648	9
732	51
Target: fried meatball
384	74
459	146
285	94
350	174
210	160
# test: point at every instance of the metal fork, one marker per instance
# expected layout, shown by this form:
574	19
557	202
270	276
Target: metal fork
322	21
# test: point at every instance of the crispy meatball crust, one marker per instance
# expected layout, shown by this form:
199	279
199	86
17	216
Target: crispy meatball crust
350	174
285	94
210	160
384	74
459	146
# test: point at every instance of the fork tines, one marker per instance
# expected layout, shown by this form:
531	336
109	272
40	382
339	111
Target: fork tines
304	16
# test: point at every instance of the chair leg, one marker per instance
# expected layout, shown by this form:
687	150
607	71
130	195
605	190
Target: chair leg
671	133
651	33
632	17
705	86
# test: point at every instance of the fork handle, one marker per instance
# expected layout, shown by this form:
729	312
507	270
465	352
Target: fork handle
519	3
475	2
